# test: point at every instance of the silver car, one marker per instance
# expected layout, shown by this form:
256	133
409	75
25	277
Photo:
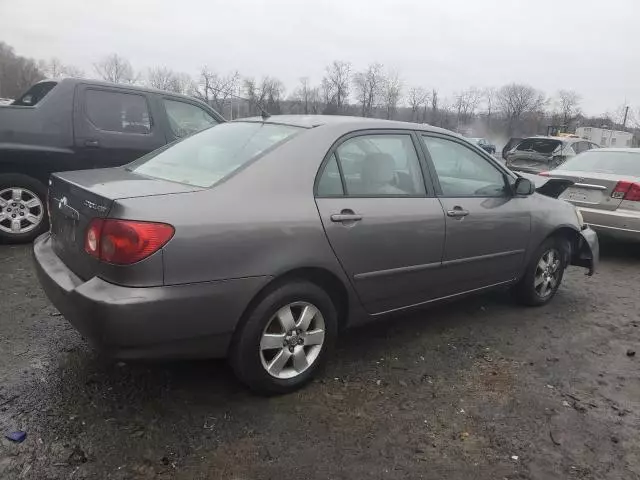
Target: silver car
606	190
262	239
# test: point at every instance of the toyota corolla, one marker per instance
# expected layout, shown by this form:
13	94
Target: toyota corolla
261	239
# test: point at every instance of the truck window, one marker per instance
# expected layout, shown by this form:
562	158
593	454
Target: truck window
36	93
186	118
118	112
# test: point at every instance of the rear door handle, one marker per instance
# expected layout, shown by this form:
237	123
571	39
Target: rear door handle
457	212
346	217
91	143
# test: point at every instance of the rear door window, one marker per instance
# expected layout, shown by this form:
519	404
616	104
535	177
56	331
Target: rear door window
211	155
112	111
35	94
539	145
186	118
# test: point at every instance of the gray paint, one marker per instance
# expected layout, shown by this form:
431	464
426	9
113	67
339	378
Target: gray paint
263	222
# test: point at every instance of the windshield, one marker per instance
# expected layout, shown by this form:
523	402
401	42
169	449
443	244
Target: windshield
539	145
622	163
207	157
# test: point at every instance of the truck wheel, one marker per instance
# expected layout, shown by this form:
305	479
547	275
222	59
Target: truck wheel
285	339
23	214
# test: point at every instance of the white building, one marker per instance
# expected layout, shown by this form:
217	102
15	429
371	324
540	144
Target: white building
605	137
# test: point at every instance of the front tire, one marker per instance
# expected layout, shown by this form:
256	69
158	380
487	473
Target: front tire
23	214
544	273
285	339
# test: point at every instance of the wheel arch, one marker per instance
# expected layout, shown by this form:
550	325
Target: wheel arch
322	277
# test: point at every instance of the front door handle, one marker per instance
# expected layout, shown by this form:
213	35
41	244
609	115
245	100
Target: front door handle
346	216
457	212
91	143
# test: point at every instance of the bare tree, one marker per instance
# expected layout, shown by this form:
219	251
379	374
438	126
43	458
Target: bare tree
336	83
489	95
116	69
569	102
392	93
434	106
164	78
466	103
417	97
306	96
369	87
514	100
160	78
215	89
16	73
264	96
54	68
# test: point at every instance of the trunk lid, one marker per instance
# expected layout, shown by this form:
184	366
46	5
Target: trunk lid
75	198
592	190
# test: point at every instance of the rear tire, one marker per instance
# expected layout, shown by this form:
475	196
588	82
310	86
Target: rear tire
23	204
275	353
544	274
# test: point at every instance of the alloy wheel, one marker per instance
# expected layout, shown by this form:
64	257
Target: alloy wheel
292	340
547	273
21	210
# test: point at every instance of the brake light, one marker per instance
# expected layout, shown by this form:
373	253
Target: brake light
124	242
627	191
544	174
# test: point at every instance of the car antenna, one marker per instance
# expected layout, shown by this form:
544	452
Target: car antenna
263	111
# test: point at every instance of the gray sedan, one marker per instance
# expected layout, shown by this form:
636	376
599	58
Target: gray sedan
262	239
606	190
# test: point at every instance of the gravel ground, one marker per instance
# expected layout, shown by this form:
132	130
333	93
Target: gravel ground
477	389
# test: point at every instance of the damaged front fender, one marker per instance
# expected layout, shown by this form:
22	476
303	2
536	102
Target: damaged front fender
587	250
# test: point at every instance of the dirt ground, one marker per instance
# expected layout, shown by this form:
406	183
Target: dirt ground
479	389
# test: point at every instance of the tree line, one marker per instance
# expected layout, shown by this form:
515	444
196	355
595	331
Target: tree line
375	91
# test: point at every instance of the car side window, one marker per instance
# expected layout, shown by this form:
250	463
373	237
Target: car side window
462	172
381	165
185	118
330	183
118	111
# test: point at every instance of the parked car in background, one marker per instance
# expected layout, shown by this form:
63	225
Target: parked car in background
485	144
261	240
75	124
539	154
606	190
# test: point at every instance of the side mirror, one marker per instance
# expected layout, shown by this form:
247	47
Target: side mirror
524	186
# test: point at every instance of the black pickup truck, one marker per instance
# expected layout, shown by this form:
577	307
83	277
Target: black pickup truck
75	124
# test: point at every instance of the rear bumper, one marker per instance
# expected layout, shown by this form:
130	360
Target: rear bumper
620	224
183	321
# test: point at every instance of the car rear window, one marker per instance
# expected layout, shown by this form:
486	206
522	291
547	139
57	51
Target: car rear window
36	93
207	157
539	145
597	161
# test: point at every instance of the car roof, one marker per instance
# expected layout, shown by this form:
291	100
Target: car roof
313	121
100	83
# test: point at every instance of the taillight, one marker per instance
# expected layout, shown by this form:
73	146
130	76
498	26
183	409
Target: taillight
124	242
625	190
544	174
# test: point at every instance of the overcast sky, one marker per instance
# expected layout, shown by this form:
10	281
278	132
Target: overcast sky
587	46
